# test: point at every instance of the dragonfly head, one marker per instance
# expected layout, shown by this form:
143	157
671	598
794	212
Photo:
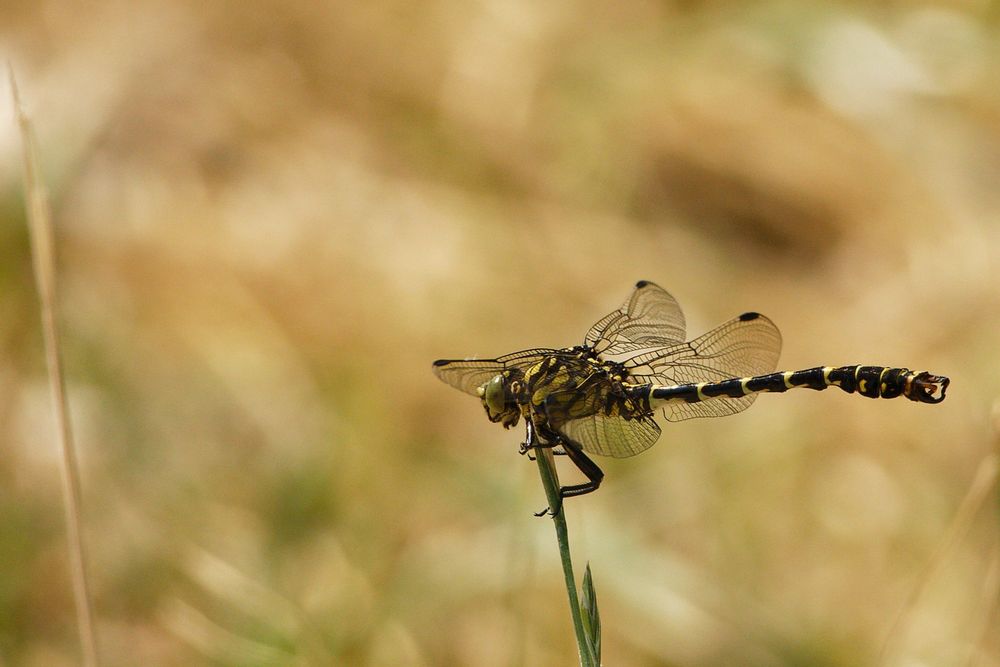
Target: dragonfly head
498	400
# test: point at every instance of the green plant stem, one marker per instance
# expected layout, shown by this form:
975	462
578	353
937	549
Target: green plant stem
550	480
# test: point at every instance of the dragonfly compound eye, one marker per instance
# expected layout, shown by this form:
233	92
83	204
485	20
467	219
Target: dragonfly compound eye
495	397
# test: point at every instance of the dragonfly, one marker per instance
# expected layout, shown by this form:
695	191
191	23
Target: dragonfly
600	398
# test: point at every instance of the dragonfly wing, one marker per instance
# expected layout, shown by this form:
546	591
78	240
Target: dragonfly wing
612	435
649	318
745	346
469	374
716	407
599	421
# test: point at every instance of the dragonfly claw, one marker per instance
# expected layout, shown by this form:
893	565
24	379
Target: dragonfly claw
548	510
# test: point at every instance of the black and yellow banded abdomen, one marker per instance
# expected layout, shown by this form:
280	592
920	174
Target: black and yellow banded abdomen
870	381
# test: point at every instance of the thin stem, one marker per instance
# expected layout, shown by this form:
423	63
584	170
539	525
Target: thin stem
983	484
550	480
40	228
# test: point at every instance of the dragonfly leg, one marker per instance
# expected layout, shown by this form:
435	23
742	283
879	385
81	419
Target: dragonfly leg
592	471
531	457
552	439
549	439
530	441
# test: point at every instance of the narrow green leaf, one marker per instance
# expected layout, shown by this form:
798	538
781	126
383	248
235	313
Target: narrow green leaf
591	615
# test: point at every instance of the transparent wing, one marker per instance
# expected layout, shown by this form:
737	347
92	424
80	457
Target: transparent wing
716	407
600	421
742	347
612	435
469	374
650	318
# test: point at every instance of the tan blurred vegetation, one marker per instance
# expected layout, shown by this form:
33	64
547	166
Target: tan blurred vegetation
273	216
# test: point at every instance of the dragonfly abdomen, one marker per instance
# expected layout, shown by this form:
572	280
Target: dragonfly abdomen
869	381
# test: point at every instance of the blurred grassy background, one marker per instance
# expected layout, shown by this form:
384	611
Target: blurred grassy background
272	216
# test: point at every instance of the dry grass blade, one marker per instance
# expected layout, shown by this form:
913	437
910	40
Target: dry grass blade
982	485
40	228
990	614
